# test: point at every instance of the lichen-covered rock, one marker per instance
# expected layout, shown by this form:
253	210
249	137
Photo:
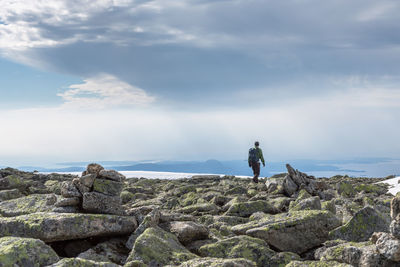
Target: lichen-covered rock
247	247
10	194
187	231
363	224
87	180
51	227
65	202
346	253
230	220
18	251
329	206
245	209
107	187
80	186
78	262
317	264
395	207
283	258
110	251
93	168
69	190
312	203
395	228
112	175
389	247
99	203
156	246
297	231
25	205
216	262
150	220
200	208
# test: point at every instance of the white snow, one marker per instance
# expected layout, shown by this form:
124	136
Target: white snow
394	185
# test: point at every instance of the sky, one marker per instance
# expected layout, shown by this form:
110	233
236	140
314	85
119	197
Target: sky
195	80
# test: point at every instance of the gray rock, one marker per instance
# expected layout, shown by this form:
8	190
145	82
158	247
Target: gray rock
245	209
218	262
69	190
312	203
389	247
69	209
363	224
113	251
100	203
25	205
395	229
187	231
156	246
107	187
93	168
150	220
297	231
395	207
112	175
80	186
18	251
10	194
51	227
72	262
65	202
87	180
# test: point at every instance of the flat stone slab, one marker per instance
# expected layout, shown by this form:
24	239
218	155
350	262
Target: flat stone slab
25	205
107	187
52	226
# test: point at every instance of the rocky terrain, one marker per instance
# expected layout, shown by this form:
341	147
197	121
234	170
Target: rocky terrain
103	219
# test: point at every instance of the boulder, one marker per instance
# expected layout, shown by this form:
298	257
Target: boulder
51	227
25	205
112	175
80	186
187	231
72	262
93	168
200	208
99	203
363	224
317	264
346	253
150	220
156	246
395	229
107	187
247	247
65	202
297	231
87	180
245	209
395	207
216	262
18	251
312	203
389	247
10	194
110	251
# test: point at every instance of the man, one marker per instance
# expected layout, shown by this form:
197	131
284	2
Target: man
255	155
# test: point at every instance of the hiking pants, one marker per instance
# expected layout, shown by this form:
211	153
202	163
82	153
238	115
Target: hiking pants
256	170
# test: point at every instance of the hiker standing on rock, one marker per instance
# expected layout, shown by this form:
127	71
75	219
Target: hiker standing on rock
255	155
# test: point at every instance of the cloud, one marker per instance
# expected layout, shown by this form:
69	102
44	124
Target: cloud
198	52
104	91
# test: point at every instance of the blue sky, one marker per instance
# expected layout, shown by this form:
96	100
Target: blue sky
166	79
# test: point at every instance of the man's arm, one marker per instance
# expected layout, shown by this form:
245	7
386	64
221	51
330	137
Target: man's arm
261	156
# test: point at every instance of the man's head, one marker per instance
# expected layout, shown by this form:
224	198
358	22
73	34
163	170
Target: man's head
257	144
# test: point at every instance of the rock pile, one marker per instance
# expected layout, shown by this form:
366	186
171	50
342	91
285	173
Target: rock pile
96	191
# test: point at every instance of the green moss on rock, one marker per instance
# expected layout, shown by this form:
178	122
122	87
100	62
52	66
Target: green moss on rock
245	209
317	264
25	205
159	247
17	251
78	262
216	262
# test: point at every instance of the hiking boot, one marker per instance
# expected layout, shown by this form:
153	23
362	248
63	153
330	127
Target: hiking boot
255	179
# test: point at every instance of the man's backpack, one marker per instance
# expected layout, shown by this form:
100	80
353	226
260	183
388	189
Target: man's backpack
253	155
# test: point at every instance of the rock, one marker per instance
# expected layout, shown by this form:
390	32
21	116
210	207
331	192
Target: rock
51	199
196	245
171	216
25	205
312	203
329	206
363	224
215	262
100	203
74	247
389	247
238	190
110	251
81	187
317	264
150	220
187	231
18	251
283	258
73	201
69	209
112	175
51	227
245	209
395	207
371	258
250	248
289	186
281	203
230	220
156	246
107	187
87	180
346	189
199	208
345	253
93	168
395	229
10	194
72	262
297	231
69	190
